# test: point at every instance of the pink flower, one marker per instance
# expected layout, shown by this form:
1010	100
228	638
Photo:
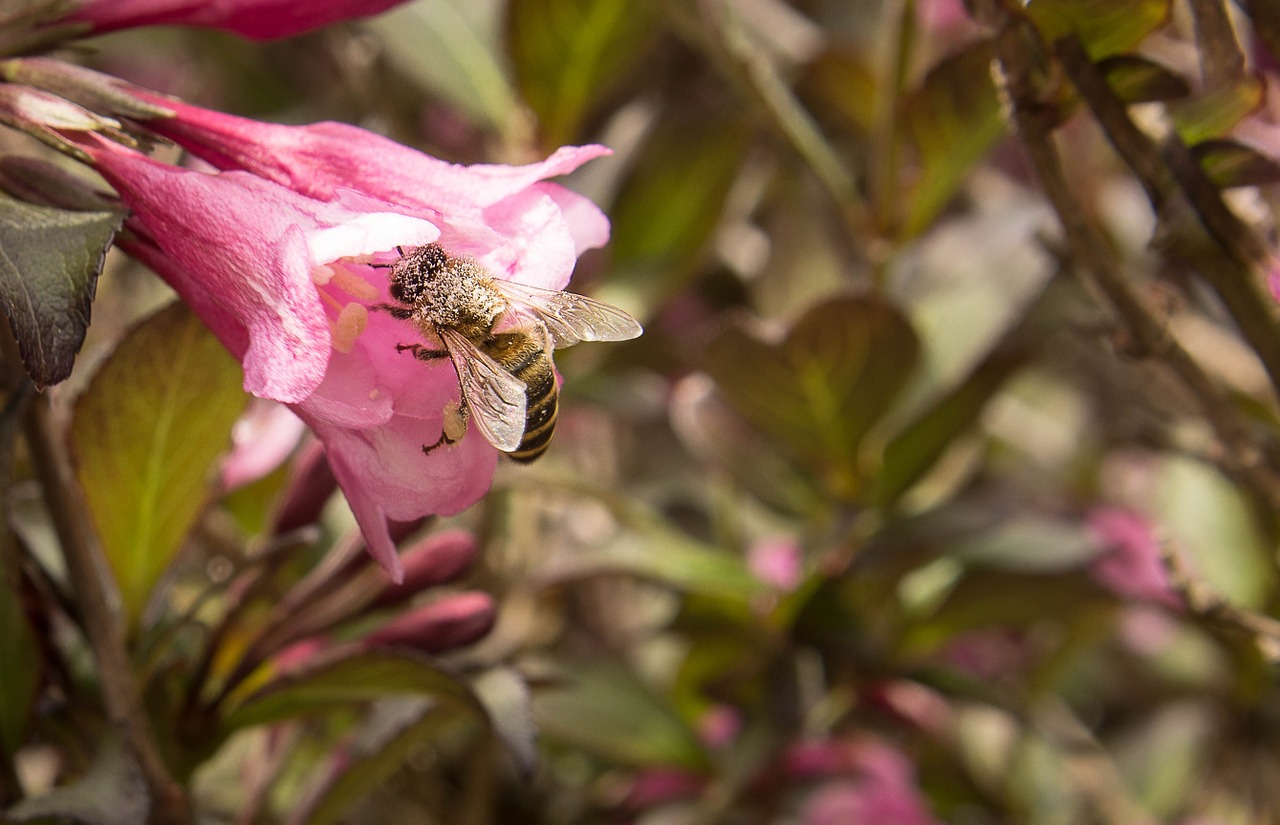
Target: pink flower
777	562
1129	562
507	217
261	440
879	786
280	255
254	19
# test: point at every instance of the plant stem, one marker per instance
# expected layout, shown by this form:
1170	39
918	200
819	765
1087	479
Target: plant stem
102	625
1221	60
1236	273
1240	455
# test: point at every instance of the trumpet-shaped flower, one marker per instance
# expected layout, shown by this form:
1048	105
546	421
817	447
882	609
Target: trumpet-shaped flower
283	255
254	19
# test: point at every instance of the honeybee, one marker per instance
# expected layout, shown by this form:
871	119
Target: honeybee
499	336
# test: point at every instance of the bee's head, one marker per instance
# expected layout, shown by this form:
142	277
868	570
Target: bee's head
412	277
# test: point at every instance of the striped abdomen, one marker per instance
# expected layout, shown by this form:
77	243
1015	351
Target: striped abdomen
527	359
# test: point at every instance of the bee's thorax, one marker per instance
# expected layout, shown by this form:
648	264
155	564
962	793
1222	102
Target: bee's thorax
445	291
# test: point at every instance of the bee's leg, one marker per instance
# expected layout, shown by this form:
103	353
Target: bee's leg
399	313
422	353
453	428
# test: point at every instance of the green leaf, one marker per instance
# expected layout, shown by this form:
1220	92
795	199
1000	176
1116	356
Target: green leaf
506	699
20	666
369	770
720	436
1210	521
145	435
605	711
1106	27
839	83
1137	79
673	199
665	556
989	597
953	119
49	265
819	391
1230	164
1217	112
449	47
360	677
568	54
914	450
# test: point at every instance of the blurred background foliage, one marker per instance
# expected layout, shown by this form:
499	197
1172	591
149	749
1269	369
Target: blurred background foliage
868	527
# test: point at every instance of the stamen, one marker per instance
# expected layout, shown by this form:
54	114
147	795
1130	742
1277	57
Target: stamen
353	284
321	274
350	323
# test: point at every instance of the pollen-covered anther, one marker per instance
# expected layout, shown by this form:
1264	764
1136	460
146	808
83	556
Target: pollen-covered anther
322	274
351	321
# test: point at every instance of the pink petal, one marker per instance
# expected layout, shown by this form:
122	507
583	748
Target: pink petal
254	19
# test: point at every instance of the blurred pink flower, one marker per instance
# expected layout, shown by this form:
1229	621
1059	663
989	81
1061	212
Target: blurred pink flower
254	19
877	784
439	558
1129	561
261	440
776	562
659	786
719	726
449	622
285	274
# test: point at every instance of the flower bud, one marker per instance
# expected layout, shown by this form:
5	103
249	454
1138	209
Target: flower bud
439	558
441	625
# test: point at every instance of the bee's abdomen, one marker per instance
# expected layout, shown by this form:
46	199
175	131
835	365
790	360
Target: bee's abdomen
531	364
541	404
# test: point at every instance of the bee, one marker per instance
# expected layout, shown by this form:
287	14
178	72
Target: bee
499	336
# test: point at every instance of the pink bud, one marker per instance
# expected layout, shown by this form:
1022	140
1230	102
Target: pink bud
439	558
448	623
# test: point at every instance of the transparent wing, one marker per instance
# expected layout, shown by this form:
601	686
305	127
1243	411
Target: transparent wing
495	397
570	317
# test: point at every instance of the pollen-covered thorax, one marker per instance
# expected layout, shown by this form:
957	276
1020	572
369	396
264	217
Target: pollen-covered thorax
444	290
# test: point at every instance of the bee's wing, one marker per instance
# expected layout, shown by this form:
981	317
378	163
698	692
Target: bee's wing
495	397
570	317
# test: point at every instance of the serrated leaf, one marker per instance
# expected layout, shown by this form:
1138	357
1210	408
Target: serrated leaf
819	391
953	119
1137	79
604	710
1106	27
145	436
49	265
1217	112
112	792
1230	164
20	667
361	677
568	54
